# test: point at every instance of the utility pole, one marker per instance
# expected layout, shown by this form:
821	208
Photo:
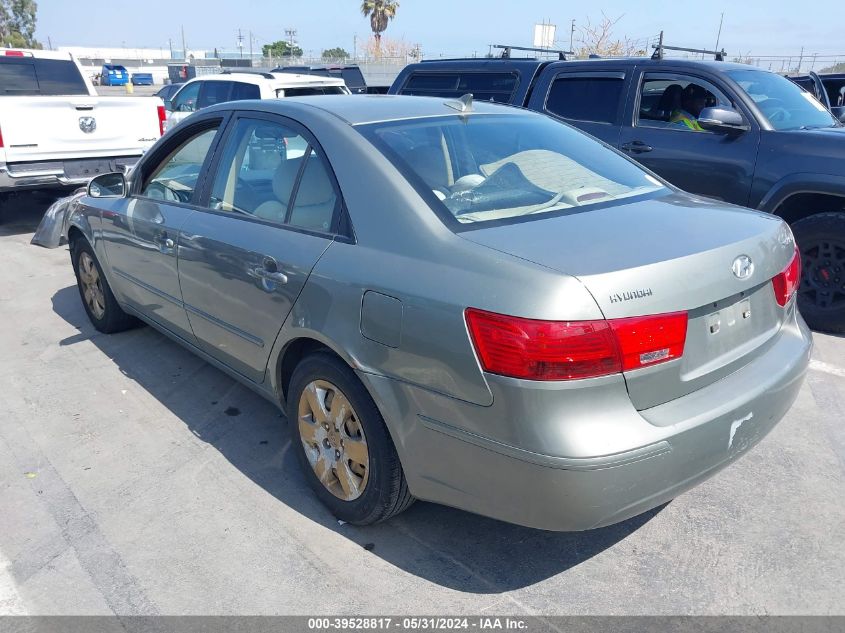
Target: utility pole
49	42
241	43
719	35
814	61
800	59
355	46
170	44
290	34
250	48
571	35
184	46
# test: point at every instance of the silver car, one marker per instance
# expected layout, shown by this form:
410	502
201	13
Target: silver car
464	303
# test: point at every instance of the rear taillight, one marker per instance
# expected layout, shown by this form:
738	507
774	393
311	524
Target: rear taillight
568	350
162	120
9	53
785	283
1	138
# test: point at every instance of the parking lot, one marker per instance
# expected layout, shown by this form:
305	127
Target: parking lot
137	479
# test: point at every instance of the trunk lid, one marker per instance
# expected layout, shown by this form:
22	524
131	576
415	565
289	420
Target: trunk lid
668	254
41	128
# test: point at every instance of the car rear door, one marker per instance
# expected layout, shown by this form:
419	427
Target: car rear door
591	100
719	166
142	240
269	215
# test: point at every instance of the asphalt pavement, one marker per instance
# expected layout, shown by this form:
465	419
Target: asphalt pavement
137	479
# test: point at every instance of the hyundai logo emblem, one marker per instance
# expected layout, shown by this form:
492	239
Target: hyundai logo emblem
742	267
87	124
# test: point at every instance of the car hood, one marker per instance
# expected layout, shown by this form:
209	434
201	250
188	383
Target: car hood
676	250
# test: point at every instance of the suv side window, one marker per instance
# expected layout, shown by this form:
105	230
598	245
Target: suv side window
270	171
579	97
186	99
672	101
175	177
484	86
212	92
242	91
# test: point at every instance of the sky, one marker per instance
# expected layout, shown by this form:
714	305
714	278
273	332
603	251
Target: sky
440	27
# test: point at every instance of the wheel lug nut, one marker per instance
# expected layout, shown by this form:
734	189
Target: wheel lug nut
337	454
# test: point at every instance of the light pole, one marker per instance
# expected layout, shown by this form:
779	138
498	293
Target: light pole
571	34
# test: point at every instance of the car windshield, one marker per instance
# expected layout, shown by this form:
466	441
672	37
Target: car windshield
487	167
784	104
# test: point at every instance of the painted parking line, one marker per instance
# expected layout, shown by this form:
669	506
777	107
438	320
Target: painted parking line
827	368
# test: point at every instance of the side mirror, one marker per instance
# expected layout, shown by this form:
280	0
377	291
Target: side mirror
723	120
107	186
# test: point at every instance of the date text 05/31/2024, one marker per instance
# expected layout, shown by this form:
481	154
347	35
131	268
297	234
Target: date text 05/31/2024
430	623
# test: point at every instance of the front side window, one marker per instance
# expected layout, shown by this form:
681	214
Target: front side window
176	176
482	168
785	105
675	101
270	171
186	99
213	92
595	99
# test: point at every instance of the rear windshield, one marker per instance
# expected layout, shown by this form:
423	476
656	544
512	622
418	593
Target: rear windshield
484	86
486	168
26	76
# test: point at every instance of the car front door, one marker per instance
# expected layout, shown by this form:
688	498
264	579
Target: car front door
183	103
272	210
712	164
592	101
141	240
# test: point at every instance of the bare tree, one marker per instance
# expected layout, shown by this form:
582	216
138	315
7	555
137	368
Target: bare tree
597	39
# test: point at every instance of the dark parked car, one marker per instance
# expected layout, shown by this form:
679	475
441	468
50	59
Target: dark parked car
166	92
760	141
351	74
829	89
142	79
521	323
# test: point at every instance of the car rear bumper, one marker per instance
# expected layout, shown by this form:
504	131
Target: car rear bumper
59	173
670	448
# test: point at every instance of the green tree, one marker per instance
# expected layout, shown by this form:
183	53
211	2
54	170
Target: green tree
281	48
17	23
335	53
380	13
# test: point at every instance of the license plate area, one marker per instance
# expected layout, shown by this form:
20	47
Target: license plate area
87	168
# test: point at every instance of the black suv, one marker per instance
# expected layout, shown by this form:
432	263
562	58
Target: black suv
760	141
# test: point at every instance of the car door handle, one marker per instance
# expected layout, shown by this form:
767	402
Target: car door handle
269	271
165	243
636	147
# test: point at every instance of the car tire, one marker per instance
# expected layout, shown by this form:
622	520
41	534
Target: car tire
821	295
354	494
97	298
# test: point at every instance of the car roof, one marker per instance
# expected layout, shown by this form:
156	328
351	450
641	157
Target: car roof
363	109
277	81
531	63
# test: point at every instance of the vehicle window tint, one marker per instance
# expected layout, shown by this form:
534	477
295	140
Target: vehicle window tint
586	98
270	171
186	99
28	76
176	176
483	86
306	92
353	77
675	101
241	91
212	92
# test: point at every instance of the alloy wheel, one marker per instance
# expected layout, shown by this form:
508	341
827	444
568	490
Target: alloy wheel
823	274
92	287
333	439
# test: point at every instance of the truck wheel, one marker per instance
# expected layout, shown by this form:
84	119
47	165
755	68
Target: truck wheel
102	308
342	443
821	296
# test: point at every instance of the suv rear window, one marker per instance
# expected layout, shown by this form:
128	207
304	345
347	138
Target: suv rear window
580	98
484	86
27	76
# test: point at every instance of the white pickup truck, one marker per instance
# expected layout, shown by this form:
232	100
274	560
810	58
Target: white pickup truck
55	131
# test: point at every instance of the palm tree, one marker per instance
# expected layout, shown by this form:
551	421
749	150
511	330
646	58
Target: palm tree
380	13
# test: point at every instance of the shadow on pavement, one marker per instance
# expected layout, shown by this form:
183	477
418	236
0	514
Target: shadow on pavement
452	548
21	212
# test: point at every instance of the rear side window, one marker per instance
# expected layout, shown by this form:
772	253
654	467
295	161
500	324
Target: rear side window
483	86
595	99
353	77
307	92
213	92
27	76
242	91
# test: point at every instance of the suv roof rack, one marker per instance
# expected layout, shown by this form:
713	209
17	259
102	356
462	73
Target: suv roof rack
506	51
261	73
660	47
